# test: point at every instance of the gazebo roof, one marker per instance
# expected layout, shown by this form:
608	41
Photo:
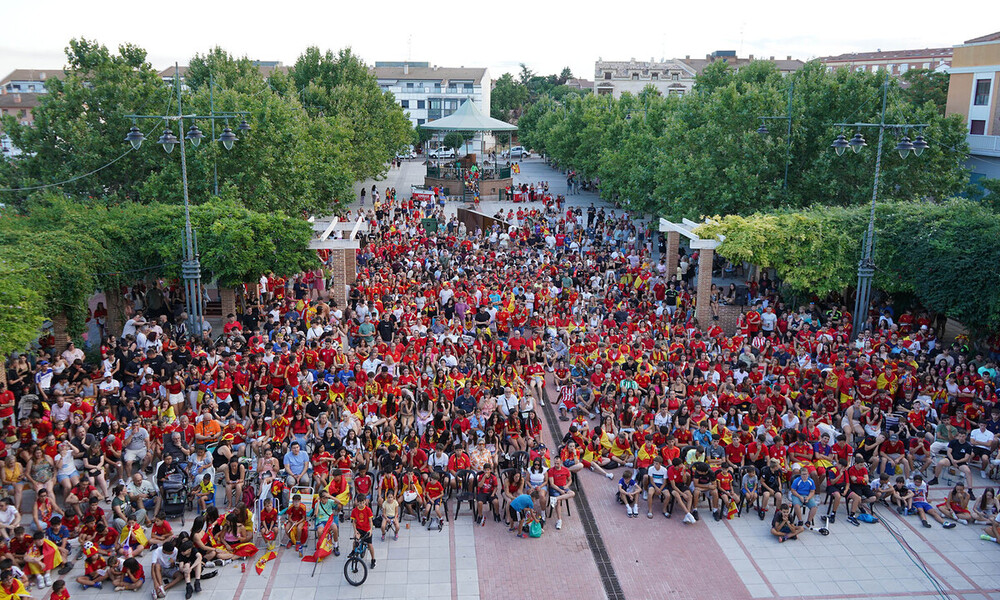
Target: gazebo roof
468	117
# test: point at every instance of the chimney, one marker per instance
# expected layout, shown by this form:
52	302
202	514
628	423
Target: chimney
751	57
772	58
406	68
687	57
789	57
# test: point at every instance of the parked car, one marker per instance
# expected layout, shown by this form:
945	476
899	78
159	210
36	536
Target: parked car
405	154
442	153
517	152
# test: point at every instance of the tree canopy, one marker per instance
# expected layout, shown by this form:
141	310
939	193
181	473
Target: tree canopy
700	154
944	253
307	145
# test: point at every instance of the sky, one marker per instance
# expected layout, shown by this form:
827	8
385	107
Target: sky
547	35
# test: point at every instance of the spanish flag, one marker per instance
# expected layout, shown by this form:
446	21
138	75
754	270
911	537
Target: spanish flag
48	554
733	510
244	550
133	537
324	547
14	591
263	560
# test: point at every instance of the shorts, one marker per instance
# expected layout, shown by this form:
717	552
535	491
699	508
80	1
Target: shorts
364	537
481	497
979	451
60	477
838	488
924	506
128	579
862	489
169	572
134	455
811	503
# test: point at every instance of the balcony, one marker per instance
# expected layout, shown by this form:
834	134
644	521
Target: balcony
984	145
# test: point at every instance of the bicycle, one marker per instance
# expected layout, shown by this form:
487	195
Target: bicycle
355	569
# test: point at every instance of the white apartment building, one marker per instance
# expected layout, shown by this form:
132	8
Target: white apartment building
430	92
669	77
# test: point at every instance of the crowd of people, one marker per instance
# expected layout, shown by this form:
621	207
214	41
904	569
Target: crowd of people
427	392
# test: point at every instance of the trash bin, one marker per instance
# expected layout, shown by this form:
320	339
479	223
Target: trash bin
430	225
503	194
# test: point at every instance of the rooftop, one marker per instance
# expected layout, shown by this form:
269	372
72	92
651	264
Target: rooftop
433	73
993	37
943	53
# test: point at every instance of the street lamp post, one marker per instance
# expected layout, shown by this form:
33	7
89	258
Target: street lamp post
866	266
191	265
762	130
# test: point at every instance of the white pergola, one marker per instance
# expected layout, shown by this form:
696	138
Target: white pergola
706	256
343	249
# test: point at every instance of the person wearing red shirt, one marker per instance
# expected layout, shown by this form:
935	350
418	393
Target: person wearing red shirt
736	453
559	481
361	516
678	486
434	494
860	490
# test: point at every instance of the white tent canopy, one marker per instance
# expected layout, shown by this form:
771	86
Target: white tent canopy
468	117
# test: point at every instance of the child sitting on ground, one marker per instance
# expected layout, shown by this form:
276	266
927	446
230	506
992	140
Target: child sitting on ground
782	525
628	493
59	591
129	577
161	530
95	571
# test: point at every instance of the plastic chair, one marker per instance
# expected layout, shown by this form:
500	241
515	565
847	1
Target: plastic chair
467	482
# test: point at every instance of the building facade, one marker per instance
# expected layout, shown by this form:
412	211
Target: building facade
19	93
896	62
429	92
668	77
674	77
973	93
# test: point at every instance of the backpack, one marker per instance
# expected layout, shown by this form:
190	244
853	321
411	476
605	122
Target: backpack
535	529
249	496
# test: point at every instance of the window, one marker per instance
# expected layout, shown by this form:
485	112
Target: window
604	91
892	68
420	104
435	104
404	104
675	77
607	75
467	87
635	77
982	95
977	127
437	86
654	76
420	122
927	65
409	85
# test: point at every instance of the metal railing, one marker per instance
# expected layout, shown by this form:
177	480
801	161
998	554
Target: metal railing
459	173
984	144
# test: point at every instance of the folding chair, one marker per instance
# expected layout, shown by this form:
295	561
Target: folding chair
467	482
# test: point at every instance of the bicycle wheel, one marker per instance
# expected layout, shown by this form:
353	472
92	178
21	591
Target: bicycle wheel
355	571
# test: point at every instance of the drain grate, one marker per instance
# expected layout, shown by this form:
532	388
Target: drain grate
609	579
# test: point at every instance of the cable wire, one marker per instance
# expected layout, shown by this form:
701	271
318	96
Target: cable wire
912	554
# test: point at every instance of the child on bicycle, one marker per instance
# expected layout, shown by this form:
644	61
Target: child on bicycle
361	516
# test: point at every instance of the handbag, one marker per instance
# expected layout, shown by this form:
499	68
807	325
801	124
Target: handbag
377	522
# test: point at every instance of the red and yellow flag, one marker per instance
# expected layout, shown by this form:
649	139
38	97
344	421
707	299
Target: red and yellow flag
263	560
49	555
15	591
245	550
324	546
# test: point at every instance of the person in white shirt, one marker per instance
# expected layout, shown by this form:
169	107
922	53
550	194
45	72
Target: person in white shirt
10	518
59	411
983	443
655	486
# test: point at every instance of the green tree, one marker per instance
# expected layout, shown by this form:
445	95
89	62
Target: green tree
925	85
944	253
565	75
288	162
341	88
22	309
454	140
508	98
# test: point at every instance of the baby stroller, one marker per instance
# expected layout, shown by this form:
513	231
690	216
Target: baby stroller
175	495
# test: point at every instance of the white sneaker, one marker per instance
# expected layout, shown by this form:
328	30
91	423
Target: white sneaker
40	581
645	495
558	523
689	518
609	475
48	580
